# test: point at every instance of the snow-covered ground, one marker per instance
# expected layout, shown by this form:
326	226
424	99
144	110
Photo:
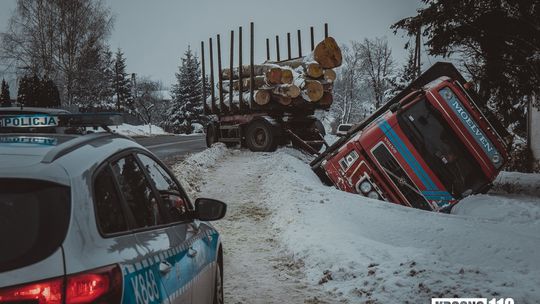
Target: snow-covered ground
289	239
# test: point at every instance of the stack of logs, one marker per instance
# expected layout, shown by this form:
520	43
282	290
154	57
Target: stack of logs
295	82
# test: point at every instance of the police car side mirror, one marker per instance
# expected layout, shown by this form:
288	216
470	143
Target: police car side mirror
207	209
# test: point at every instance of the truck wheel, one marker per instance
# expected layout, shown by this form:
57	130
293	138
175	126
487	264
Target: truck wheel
211	135
260	137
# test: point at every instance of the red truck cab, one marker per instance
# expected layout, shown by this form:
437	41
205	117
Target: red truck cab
427	150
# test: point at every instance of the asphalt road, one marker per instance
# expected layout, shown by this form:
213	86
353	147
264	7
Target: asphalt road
172	148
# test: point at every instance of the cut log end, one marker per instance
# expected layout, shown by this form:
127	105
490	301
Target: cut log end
261	97
328	54
330	75
313	90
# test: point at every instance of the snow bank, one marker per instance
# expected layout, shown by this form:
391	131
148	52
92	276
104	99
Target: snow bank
373	250
141	130
370	251
193	168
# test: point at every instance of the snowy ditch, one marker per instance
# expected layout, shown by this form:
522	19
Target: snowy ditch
290	239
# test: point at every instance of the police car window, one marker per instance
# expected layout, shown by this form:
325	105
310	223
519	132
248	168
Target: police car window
175	204
137	192
109	213
159	176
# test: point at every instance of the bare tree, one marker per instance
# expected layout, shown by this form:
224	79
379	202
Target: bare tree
47	37
377	66
147	100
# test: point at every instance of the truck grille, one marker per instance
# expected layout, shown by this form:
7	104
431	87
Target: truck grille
400	178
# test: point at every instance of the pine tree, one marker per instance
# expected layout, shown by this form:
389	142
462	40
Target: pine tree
5	100
187	104
49	94
121	82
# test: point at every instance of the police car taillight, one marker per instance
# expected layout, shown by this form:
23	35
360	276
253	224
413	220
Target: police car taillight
103	285
41	292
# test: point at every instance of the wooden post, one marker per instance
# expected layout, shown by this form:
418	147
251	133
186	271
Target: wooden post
220	77
240	100
277	48
267	49
251	63
312	38
289	46
231	58
299	34
212	84
205	106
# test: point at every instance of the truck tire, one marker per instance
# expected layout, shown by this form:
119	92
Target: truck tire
261	137
211	134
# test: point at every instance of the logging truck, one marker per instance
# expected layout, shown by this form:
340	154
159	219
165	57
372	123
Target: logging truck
262	106
427	148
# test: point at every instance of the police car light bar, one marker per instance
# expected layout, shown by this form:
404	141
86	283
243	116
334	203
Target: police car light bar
40	120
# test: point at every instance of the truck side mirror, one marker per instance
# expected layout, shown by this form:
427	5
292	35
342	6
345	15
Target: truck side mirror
343	129
207	209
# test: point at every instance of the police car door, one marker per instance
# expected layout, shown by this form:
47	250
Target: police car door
161	276
176	206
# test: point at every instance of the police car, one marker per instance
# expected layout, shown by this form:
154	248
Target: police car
97	218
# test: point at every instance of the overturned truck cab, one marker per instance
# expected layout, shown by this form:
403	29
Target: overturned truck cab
427	148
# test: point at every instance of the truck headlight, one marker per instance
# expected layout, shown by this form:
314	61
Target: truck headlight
373	195
365	186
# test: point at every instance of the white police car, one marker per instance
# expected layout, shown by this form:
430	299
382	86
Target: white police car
97	218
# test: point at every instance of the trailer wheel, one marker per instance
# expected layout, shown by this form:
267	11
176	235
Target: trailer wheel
260	137
211	135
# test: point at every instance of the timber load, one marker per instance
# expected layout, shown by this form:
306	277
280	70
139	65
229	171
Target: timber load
288	85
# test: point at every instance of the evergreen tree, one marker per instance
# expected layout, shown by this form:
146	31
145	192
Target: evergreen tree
49	94
121	83
5	100
187	105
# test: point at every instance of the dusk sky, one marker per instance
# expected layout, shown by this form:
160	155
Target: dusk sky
155	34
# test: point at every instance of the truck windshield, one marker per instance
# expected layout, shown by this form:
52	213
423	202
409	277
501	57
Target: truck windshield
441	149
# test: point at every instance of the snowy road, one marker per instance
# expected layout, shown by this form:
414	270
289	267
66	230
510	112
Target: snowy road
288	239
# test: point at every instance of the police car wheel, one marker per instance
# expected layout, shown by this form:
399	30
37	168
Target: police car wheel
218	289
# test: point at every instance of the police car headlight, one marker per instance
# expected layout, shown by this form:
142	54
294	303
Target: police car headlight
496	159
365	187
373	195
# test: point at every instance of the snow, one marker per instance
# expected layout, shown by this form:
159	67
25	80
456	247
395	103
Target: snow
289	238
140	130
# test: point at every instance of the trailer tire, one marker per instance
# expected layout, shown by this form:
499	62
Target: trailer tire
261	137
211	134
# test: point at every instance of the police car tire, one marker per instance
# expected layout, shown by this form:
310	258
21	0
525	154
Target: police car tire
218	286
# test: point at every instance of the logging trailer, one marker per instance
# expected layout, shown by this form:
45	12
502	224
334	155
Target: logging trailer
246	115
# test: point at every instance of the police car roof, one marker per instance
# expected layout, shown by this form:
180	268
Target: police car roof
35	155
31	110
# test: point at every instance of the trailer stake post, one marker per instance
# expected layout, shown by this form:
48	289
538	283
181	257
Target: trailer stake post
299	43
277	47
267	49
312	38
289	46
326	30
222	106
240	84
212	84
231	57
251	67
203	72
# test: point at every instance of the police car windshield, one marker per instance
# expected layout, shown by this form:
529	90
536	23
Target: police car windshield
442	150
34	216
